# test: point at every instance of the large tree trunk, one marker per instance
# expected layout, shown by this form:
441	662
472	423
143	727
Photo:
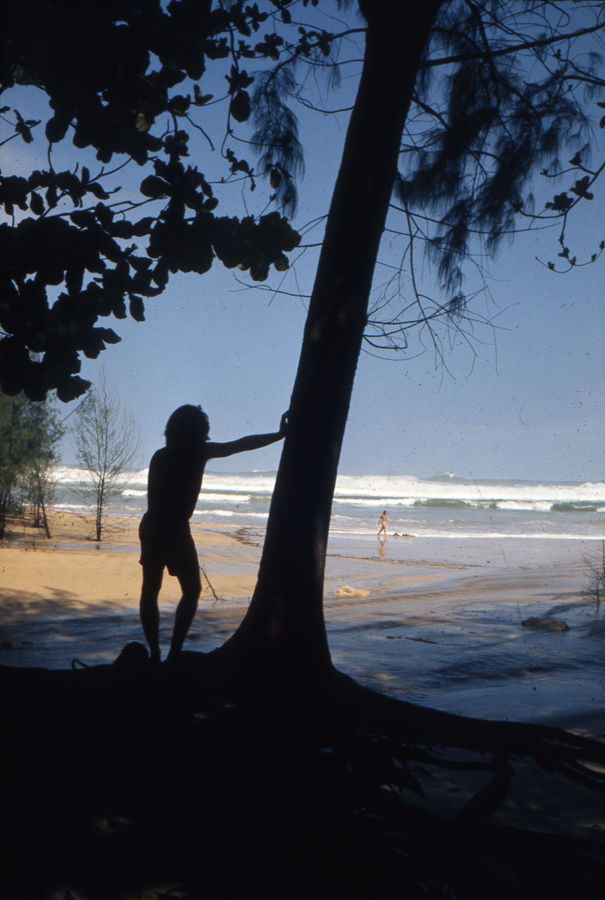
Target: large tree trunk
285	621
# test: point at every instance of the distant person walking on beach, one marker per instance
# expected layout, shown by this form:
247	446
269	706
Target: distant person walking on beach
383	521
174	483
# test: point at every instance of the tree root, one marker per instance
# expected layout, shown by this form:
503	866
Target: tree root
280	792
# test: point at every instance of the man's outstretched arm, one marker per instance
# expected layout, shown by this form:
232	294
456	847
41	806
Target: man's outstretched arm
250	442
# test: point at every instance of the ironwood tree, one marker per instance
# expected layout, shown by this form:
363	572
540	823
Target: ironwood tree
488	130
106	443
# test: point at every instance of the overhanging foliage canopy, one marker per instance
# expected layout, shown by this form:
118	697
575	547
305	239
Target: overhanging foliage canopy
504	90
111	73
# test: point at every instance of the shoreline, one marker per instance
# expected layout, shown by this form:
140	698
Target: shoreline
432	621
72	566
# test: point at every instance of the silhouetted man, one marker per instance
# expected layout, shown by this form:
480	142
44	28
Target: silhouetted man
174	483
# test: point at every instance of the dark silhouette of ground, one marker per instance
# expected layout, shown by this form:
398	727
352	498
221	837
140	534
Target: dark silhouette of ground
126	781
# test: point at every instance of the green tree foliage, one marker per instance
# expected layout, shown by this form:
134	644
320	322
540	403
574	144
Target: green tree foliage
110	72
107	445
502	91
29	437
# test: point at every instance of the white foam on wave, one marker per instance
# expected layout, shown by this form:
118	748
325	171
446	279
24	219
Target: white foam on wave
384	501
441	507
538	506
72	507
399	489
240	483
403	490
227	514
75	475
207	497
70	474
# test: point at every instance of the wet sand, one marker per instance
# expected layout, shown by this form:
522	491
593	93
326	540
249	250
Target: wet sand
434	621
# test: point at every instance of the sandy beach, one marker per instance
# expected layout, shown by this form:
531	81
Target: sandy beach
437	622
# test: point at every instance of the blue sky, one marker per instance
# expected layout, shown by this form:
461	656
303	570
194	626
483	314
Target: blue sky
525	400
528	403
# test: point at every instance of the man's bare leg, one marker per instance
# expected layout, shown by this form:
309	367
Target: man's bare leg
149	611
191	587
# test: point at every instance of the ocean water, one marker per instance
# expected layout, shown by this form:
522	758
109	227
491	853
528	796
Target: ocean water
443	506
438	620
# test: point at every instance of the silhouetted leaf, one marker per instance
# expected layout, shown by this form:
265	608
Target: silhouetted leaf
56	129
111	250
160	275
36	204
561	203
237	165
200	99
137	308
104	215
152	186
74	278
259	270
83	219
23	129
180	105
51	196
141	228
96	189
71	388
121	229
139	263
240	106
141	123
206	188
581	188
177	143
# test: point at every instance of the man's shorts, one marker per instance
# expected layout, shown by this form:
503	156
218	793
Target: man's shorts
167	544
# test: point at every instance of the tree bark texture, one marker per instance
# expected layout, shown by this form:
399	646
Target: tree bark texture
285	617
